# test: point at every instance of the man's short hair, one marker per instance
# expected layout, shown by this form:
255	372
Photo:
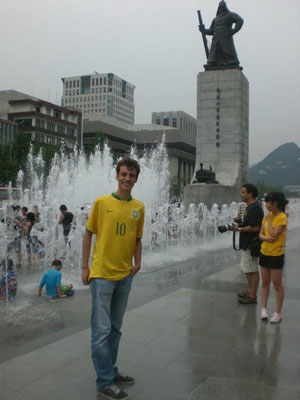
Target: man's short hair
25	209
63	207
56	263
129	163
251	189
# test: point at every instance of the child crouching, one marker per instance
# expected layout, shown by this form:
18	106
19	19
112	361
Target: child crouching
52	280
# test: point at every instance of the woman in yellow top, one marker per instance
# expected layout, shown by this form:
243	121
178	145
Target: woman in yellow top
273	236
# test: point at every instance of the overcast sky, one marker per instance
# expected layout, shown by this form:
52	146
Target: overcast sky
156	46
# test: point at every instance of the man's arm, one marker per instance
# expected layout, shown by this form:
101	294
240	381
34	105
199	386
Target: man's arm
137	256
61	218
248	228
86	249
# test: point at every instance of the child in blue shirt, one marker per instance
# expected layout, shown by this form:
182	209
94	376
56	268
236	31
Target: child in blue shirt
52	280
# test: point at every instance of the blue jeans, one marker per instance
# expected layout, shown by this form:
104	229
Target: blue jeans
109	301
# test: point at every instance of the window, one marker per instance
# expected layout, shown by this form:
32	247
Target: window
66	117
70	131
24	123
174	122
50	140
39	137
166	121
60	128
85	84
67	84
50	126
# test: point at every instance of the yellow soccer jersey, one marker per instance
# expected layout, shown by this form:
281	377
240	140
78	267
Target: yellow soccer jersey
275	248
117	224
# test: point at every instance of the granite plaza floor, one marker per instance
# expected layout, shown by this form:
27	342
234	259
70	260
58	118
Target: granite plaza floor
184	338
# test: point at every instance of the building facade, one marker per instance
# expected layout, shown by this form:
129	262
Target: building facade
46	122
103	94
7	132
181	146
176	119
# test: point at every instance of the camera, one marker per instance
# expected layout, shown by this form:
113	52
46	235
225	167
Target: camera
237	222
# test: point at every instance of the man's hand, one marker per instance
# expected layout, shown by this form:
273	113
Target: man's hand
85	275
135	269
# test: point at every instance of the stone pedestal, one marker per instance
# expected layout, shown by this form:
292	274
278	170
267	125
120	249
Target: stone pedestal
222	135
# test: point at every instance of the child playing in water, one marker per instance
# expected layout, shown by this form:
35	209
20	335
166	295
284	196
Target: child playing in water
52	280
8	281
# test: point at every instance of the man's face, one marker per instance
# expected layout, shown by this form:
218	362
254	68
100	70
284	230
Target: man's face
126	178
245	196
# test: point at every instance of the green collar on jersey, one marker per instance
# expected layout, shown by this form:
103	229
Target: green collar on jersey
119	198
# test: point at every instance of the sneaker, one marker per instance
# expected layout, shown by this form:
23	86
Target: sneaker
247	300
112	393
243	294
276	318
264	315
122	379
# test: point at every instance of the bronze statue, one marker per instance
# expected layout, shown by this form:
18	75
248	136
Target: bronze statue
222	51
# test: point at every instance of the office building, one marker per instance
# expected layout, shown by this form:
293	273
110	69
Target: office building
176	119
103	94
181	146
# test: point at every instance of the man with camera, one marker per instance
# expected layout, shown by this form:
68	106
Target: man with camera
249	230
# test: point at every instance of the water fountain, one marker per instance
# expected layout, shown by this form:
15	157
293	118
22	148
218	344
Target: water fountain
172	233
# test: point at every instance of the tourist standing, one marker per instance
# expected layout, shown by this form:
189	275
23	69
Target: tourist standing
117	221
271	261
248	231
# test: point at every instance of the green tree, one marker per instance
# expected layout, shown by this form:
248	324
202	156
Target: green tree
176	186
97	141
263	189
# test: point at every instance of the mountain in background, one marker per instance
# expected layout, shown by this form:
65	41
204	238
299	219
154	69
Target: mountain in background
279	168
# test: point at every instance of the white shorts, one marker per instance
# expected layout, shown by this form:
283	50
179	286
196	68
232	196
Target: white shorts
248	263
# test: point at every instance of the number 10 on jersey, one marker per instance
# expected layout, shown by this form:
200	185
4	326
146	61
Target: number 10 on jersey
120	229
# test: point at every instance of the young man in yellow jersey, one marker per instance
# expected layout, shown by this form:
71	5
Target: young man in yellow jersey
117	221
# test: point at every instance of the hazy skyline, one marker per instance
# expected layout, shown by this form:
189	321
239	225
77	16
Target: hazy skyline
157	46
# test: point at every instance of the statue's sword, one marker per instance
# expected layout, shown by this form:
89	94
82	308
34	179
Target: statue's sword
201	25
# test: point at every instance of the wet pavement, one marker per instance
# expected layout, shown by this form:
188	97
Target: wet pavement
185	337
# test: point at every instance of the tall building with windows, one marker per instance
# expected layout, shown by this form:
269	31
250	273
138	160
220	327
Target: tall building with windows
176	119
104	94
